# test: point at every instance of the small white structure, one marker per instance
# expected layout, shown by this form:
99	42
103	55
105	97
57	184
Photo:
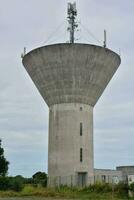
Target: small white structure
130	179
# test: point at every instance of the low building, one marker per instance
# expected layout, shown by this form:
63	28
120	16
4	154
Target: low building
122	173
107	176
126	171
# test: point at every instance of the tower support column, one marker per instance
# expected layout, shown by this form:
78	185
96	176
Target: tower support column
70	158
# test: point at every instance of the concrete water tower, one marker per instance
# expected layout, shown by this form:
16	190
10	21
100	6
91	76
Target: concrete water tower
71	77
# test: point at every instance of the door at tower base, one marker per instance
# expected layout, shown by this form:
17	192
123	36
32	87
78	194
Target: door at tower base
70	158
82	179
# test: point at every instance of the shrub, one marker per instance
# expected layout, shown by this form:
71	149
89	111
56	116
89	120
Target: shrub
121	189
98	187
28	181
131	187
43	183
4	183
16	184
40	178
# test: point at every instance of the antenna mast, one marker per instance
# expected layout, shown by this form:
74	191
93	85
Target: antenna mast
105	39
72	13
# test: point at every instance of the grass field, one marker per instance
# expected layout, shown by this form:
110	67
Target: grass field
40	193
52	198
30	198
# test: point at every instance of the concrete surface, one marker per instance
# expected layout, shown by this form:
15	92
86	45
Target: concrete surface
71	76
65	140
69	73
109	175
126	170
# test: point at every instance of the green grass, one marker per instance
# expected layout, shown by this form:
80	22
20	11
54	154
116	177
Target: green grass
63	192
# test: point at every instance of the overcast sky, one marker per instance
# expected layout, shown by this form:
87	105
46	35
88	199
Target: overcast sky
23	112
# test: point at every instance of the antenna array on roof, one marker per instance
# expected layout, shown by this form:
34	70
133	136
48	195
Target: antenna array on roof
72	13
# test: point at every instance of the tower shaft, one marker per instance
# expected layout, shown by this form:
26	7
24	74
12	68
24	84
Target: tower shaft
70	143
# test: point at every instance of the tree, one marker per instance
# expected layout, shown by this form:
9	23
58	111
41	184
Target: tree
40	178
3	162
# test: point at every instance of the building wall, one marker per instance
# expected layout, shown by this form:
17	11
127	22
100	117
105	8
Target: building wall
65	140
126	170
107	175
